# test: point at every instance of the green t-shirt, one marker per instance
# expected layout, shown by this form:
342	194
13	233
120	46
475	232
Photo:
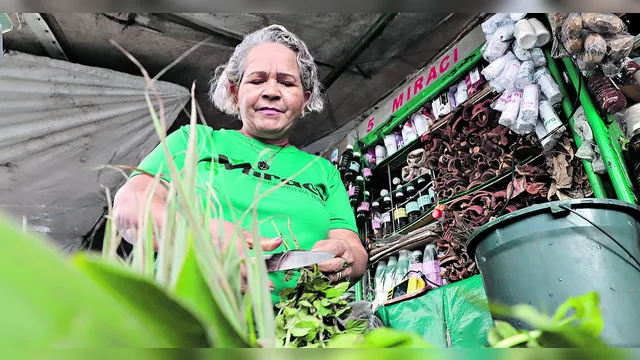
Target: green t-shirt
315	200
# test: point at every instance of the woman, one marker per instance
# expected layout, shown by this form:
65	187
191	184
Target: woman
269	82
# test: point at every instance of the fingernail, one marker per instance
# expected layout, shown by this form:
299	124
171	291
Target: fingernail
276	239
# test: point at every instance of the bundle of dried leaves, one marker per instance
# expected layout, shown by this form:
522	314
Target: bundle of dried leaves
314	312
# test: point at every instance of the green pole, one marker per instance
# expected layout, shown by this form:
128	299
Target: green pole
567	106
620	183
358	290
615	134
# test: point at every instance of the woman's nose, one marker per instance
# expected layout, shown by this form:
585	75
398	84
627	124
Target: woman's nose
271	90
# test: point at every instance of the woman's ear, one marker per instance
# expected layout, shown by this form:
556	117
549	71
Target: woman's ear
307	96
233	89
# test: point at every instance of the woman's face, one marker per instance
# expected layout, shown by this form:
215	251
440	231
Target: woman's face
270	97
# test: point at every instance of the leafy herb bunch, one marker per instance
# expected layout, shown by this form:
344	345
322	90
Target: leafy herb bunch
314	312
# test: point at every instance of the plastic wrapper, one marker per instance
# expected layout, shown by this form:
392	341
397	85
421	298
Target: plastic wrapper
556	20
494	69
542	33
520	53
619	46
517	16
501	103
628	69
547	142
508	76
573	45
548	86
550	119
473	81
572	26
609	24
525	34
609	68
538	58
495	49
364	310
493	23
505	32
595	48
528	113
525	75
511	112
461	93
608	97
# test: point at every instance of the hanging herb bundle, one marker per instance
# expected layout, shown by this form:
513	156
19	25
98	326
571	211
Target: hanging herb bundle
313	312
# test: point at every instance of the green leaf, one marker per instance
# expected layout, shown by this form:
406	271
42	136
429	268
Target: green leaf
344	312
284	294
308	321
325	302
587	310
305	303
49	303
358	326
322	310
145	300
493	336
192	289
505	329
337	291
300	331
379	338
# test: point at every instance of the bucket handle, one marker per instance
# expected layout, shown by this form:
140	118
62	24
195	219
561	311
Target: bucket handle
568	208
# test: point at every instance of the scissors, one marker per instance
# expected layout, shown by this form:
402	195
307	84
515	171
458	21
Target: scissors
295	259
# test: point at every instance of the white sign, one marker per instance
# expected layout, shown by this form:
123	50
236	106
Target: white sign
421	81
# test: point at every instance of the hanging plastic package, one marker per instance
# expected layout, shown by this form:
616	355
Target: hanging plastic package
505	32
381	152
474	80
525	75
495	49
550	119
452	96
619	46
548	86
556	20
520	53
528	114
399	140
408	132
461	94
538	58
608	97
589	149
511	111
525	34
493	23
501	103
390	144
570	34
595	48
517	16
600	23
443	104
542	34
494	69
420	124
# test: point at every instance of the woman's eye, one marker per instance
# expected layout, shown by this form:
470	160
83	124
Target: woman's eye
255	82
287	84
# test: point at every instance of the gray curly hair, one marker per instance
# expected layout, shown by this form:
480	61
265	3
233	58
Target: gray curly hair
232	71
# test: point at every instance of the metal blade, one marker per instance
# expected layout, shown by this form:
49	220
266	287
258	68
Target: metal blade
296	259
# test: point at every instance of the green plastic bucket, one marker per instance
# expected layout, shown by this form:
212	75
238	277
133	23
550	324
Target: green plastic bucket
544	254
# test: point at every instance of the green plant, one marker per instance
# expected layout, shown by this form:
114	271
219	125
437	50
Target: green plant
581	329
314	312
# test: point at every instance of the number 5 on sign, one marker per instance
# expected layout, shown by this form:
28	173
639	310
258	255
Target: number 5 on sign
370	125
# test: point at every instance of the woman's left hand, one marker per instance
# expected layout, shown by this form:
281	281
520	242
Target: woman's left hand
350	258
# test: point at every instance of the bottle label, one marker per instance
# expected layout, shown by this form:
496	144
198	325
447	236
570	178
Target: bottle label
424	200
352	191
367	172
364	207
413	206
355	166
399	213
386	217
375	224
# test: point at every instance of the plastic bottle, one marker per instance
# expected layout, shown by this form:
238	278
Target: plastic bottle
345	159
354	167
358	191
389	275
408	132
390	144
402	268
379	281
400	217
376	224
431	266
381	153
415	267
420	123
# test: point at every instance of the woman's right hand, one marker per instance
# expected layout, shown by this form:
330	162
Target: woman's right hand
223	234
